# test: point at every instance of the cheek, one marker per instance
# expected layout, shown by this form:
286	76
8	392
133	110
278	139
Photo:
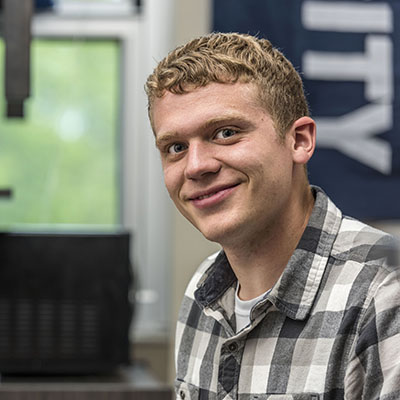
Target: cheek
267	169
171	180
251	160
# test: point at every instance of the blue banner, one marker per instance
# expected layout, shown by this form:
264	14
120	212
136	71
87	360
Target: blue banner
349	55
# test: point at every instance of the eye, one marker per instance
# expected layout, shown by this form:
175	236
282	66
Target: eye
225	133
176	148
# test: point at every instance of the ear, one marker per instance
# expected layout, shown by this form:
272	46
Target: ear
303	139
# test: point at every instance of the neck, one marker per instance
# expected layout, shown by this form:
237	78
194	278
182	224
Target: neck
258	262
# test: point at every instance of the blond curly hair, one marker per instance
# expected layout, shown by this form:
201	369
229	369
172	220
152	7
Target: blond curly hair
229	58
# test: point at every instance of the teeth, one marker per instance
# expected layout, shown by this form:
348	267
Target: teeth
206	196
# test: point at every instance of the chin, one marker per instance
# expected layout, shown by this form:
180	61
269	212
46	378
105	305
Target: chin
219	234
220	227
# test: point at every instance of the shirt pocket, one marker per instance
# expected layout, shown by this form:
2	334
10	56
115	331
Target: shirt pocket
186	391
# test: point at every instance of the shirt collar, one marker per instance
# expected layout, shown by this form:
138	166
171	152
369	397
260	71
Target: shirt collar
295	291
216	281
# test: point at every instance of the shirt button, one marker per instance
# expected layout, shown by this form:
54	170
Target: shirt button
233	347
182	394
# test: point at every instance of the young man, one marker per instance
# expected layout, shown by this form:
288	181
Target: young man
302	302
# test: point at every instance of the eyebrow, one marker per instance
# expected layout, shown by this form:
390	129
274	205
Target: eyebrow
166	138
232	117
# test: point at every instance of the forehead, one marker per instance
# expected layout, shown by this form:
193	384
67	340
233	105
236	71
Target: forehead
210	102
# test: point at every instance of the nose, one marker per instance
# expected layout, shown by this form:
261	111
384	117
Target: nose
200	161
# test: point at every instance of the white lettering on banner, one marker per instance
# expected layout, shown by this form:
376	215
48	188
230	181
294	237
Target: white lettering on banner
354	134
375	67
347	16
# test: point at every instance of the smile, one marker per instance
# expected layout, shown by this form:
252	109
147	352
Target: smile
212	197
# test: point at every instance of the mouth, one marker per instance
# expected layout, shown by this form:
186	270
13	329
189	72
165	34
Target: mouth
212	196
206	196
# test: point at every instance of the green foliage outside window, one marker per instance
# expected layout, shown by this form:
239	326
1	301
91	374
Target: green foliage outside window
62	159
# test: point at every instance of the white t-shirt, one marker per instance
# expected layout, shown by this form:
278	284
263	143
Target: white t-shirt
243	308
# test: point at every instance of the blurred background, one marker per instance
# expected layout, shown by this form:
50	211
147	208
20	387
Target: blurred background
77	152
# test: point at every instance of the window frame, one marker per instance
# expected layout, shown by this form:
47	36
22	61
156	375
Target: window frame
145	209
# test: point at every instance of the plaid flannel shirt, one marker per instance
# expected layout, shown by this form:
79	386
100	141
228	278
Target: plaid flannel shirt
328	329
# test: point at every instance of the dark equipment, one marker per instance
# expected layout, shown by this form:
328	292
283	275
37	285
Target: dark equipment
64	302
17	36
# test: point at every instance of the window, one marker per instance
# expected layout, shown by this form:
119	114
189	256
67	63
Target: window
62	159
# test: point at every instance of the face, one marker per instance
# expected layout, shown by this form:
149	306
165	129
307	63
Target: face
224	165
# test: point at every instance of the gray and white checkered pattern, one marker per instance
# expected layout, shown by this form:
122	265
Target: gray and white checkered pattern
329	328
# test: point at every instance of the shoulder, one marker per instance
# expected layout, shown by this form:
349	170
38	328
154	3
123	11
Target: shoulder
374	367
190	312
366	260
359	242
